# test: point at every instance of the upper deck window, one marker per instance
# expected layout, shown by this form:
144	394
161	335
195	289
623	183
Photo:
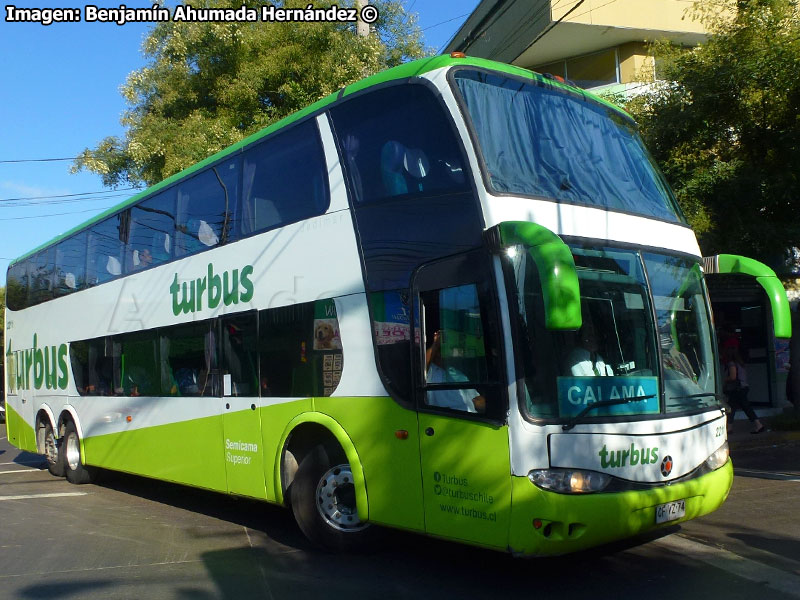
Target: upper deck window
546	143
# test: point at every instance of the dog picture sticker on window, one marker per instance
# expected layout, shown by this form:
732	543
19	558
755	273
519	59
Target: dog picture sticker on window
326	327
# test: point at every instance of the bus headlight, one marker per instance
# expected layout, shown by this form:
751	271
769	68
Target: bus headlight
569	481
718	458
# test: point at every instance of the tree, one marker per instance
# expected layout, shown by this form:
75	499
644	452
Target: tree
208	85
725	127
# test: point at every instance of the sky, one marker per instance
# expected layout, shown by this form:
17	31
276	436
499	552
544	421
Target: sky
59	94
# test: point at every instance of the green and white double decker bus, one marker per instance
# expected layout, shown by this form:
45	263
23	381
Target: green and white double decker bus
455	298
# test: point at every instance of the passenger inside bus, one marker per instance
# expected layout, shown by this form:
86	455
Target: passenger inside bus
584	360
468	400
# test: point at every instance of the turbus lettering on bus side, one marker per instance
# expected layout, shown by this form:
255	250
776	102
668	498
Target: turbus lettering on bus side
36	367
187	296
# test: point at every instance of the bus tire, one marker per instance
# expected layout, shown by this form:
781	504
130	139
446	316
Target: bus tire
52	451
76	471
323	501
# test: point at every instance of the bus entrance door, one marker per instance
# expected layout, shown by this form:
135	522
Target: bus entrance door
463	445
465	479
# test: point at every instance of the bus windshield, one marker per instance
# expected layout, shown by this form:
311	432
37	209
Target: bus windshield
651	345
547	143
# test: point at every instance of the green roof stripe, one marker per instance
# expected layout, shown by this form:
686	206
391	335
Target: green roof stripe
407	70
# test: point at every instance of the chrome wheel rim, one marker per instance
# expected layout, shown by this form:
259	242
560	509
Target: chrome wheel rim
336	499
73	451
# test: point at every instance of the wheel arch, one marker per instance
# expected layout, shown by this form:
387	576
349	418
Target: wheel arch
44	415
303	433
70	414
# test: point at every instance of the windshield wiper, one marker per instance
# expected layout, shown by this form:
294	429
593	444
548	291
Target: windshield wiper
576	419
706	395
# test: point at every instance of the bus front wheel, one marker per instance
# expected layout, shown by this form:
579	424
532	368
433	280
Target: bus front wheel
323	500
76	471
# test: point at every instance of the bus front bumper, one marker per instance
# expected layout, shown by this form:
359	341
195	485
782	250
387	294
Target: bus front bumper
545	523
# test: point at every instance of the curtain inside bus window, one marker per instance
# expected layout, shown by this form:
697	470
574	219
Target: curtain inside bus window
542	142
285	180
152	232
70	273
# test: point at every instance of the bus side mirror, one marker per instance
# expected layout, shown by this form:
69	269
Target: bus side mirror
557	272
731	263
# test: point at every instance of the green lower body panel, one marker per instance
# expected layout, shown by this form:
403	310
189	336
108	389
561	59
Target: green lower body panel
189	452
20	433
576	522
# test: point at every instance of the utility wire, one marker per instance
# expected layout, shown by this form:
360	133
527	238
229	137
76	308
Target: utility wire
443	22
24	160
75	212
551	27
66	195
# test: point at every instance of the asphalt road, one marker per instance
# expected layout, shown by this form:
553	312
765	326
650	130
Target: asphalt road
133	538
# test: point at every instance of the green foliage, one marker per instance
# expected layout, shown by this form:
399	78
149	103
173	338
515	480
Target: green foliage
726	128
208	85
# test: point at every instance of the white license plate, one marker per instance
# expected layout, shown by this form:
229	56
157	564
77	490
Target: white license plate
670	511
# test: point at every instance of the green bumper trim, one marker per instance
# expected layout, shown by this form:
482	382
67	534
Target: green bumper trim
731	263
557	273
577	522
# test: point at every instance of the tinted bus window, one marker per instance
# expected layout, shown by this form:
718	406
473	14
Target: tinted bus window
70	274
300	350
188	360
204	203
105	249
40	276
152	231
398	142
284	180
17	286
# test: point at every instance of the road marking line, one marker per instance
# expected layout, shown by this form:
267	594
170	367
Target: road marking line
758	572
766	475
21	471
32	496
29	464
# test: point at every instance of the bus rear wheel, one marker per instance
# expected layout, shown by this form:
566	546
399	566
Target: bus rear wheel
52	452
76	471
323	500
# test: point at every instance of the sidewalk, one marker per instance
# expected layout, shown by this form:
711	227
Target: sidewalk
767	451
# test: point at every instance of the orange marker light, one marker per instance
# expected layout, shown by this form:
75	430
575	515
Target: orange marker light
401	434
537	523
457	55
129	418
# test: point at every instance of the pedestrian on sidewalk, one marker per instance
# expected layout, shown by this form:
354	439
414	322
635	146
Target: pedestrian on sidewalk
736	387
